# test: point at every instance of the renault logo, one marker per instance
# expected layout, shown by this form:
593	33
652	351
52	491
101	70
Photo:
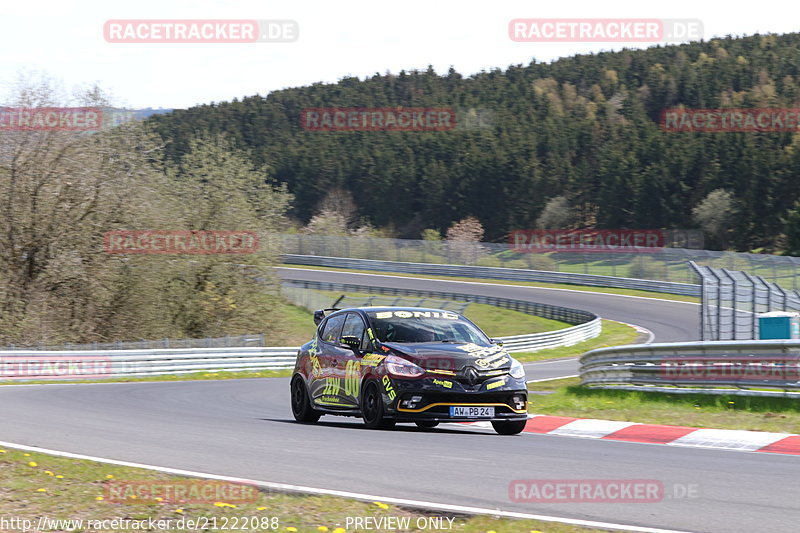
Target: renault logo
471	376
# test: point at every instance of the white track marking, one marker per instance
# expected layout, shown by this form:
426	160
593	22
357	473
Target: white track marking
730	439
353	495
552	379
590	428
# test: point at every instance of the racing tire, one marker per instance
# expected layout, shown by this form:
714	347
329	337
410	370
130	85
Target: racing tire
511	427
372	408
301	403
426	424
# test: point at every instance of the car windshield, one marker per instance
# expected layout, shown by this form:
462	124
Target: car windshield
425	326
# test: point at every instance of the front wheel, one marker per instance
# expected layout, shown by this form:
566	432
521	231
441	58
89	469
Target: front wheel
509	428
372	409
301	403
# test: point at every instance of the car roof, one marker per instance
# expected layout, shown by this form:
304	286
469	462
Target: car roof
390	308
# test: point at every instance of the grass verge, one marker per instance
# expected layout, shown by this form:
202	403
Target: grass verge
37	485
296	327
494	321
568	398
584	288
613	334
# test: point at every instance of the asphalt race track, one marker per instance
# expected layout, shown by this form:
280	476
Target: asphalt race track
244	428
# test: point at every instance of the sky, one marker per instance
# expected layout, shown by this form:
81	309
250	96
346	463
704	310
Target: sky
64	40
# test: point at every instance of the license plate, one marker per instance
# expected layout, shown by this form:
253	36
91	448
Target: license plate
471	412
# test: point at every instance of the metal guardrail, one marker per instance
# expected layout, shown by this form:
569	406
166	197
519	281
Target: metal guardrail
509	274
103	364
587	324
714	367
256	339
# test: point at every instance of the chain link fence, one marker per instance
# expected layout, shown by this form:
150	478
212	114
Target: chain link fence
668	264
732	300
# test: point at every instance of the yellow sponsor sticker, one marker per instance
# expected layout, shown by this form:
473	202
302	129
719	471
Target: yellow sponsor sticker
493	385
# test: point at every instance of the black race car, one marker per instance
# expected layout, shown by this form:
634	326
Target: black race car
407	364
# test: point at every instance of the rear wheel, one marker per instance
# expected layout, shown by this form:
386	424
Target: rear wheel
301	403
372	409
509	428
426	423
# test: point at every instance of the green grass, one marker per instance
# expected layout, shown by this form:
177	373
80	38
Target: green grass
498	322
568	398
296	327
585	288
613	334
494	321
36	484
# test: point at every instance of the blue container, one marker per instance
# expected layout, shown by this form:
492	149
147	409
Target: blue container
778	325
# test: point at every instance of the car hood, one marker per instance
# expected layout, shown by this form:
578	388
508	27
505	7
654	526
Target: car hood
456	357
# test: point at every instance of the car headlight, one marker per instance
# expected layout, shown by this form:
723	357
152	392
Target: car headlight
516	371
399	367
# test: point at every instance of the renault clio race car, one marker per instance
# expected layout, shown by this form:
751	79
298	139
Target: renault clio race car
407	364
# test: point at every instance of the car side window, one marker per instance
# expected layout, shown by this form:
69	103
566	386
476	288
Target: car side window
354	326
331	330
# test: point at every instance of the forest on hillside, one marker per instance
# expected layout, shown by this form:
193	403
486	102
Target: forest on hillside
579	135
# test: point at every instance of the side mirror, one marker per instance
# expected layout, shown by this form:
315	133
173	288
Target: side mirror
498	342
352	342
318	316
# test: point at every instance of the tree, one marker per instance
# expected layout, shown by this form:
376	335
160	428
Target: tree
792	231
61	190
716	214
431	235
557	214
217	187
336	215
463	238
